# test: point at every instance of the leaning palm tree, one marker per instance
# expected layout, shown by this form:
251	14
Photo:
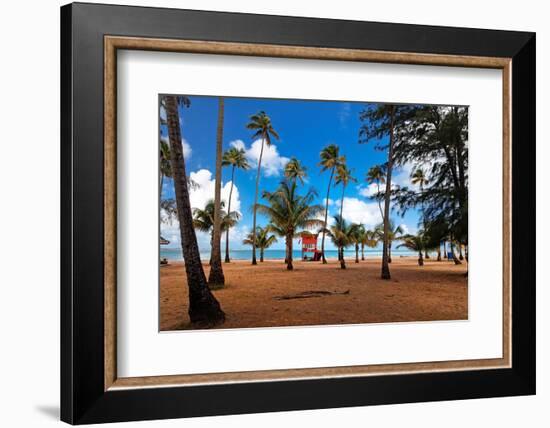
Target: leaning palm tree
216	276
377	175
341	234
290	212
264	239
294	170
418	177
203	220
414	243
204	309
330	159
236	158
261	123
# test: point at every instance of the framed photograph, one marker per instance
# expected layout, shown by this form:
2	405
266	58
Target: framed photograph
267	213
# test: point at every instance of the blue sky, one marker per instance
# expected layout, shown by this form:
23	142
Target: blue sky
305	127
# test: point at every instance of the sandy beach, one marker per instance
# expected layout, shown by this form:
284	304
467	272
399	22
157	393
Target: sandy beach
268	295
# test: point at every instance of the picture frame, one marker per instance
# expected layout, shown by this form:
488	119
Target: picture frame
91	391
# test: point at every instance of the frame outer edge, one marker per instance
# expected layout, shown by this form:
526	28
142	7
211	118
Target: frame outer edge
66	150
82	401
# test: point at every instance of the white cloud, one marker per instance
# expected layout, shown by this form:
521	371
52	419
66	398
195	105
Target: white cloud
199	197
358	211
238	144
272	161
205	191
187	151
370	190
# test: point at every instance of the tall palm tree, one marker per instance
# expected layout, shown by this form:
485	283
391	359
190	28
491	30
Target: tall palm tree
264	239
343	177
261	124
341	234
330	159
379	122
236	158
377	175
290	212
294	170
216	276
414	243
418	177
204	309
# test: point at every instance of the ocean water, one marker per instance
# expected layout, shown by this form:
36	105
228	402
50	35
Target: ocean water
175	254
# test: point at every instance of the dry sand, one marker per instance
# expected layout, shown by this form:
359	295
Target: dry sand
251	297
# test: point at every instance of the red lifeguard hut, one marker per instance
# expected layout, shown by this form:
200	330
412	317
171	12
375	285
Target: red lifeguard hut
309	246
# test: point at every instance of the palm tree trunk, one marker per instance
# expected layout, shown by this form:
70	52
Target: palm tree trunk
289	265
420	260
342	260
227	260
385	263
342	201
261	255
204	309
445	249
255	204
460	256
455	259
379	201
356	253
439	252
161	184
362	251
216	276
389	252
326	217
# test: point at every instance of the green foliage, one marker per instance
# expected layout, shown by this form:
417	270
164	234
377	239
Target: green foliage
288	211
203	219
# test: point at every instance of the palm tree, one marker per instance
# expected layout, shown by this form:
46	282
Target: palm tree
263	239
357	237
203	220
204	309
261	123
216	276
414	243
330	159
341	234
394	233
377	175
236	158
290	212
379	121
343	177
367	238
294	170
418	177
